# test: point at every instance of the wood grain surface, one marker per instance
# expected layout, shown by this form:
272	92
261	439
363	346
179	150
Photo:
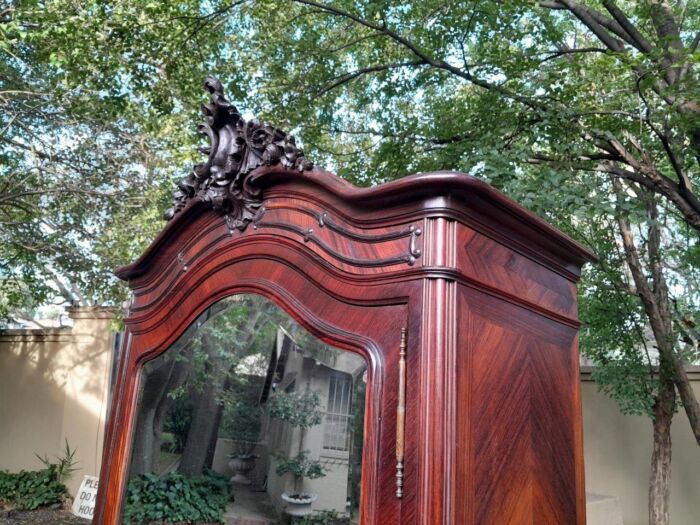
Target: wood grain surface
485	289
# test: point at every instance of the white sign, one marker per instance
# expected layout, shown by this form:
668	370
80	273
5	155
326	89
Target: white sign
84	502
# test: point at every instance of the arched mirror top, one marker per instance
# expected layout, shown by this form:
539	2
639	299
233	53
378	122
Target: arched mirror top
253	414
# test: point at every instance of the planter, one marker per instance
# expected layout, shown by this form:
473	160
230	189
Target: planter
241	465
299	504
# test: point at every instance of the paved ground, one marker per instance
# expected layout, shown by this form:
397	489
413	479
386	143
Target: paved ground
43	517
251	507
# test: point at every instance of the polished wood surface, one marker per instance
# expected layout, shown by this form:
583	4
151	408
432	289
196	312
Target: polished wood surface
484	289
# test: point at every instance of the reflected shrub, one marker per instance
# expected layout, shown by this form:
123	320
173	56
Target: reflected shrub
324	517
299	409
30	490
300	466
174	498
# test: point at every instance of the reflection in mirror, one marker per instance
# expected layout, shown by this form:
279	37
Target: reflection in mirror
248	419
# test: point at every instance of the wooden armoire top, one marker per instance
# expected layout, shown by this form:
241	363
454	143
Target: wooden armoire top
255	175
449	194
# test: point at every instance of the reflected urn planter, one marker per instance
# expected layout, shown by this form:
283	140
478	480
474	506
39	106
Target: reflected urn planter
298	505
241	465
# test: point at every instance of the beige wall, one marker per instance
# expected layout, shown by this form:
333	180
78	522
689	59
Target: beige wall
54	386
618	452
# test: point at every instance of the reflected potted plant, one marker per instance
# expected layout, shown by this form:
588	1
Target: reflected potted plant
300	410
301	467
242	462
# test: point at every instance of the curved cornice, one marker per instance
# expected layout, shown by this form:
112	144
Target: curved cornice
437	193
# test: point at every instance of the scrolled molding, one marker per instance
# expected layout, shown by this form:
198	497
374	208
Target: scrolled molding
236	148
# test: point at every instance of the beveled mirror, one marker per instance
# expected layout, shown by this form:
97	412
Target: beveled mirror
250	411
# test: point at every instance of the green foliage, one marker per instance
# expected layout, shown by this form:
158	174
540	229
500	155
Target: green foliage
324	517
176	498
65	465
241	419
30	490
513	92
298	408
177	422
300	466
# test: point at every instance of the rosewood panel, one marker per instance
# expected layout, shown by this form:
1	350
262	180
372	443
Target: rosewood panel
515	274
335	239
519	456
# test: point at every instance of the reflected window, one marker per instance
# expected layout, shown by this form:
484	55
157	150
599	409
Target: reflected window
248	417
336	431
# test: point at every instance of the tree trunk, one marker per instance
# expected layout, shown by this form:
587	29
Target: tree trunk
142	454
687	395
657	307
657	303
205	418
155	385
211	446
660	478
178	374
201	432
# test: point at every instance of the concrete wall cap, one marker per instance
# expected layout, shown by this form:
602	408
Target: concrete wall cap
91	312
693	372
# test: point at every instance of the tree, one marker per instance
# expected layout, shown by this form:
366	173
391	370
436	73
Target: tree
68	176
199	371
302	410
597	88
550	101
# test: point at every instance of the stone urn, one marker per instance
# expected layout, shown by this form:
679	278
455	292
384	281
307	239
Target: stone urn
241	465
299	504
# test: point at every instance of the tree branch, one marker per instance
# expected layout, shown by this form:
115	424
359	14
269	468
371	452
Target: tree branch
347	77
421	54
563	52
669	35
641	43
587	18
657	304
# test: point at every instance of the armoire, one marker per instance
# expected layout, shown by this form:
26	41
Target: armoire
461	303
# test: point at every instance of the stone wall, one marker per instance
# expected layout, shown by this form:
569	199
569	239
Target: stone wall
54	386
618	453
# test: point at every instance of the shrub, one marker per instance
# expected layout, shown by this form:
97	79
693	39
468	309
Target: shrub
176	498
299	409
29	490
64	465
300	466
323	517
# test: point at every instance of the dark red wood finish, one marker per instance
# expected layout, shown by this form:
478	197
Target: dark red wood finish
485	289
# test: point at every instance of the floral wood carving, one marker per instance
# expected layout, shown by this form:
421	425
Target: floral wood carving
236	148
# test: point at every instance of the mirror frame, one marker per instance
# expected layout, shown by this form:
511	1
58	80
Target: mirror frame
345	311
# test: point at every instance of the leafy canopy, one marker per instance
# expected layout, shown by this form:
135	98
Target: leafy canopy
546	100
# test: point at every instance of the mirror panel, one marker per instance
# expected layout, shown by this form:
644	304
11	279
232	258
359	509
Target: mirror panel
250	416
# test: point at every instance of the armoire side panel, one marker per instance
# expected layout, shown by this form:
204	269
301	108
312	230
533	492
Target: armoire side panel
517	417
481	259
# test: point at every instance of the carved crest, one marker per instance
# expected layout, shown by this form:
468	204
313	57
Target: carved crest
236	148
